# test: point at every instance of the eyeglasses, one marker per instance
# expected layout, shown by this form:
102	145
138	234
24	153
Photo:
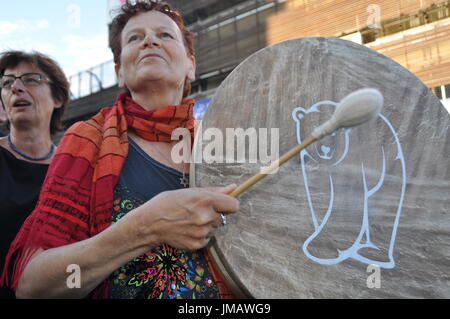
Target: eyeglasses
28	79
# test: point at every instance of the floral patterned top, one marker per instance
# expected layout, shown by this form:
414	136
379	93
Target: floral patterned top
164	272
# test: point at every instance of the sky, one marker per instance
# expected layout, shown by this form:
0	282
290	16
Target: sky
73	32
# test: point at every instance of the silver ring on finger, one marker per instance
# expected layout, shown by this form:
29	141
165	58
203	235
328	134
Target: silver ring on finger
224	219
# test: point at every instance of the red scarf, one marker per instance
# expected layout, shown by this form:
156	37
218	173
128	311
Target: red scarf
76	199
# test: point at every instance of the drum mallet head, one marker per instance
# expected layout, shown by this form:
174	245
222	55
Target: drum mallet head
355	109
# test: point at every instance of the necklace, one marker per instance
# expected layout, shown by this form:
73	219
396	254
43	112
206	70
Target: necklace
184	180
31	158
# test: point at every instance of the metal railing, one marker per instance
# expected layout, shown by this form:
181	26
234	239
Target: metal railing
92	80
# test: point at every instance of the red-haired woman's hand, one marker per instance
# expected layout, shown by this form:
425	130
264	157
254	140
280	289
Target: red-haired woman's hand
184	219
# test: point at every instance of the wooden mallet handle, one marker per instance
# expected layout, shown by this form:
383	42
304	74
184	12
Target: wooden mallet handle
355	109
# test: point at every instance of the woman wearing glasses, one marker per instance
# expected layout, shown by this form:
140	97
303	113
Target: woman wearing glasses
34	93
113	213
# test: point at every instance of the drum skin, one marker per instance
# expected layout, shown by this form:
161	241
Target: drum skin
363	213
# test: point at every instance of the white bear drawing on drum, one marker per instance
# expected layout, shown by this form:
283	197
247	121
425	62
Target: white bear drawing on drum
355	182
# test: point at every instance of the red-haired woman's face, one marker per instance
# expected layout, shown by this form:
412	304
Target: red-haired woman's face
153	50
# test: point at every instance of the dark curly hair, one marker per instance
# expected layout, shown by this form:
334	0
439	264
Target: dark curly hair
129	10
59	85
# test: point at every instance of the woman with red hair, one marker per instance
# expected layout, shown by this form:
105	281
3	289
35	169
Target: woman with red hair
113	202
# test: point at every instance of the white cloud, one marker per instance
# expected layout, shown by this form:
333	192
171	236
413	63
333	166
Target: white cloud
21	35
28	44
8	28
85	52
41	24
75	52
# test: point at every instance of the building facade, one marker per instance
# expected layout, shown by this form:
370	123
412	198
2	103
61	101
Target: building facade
415	33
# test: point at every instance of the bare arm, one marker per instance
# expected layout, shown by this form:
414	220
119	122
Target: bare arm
183	219
46	274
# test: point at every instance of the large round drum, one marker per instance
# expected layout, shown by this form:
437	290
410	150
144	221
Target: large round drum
363	212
